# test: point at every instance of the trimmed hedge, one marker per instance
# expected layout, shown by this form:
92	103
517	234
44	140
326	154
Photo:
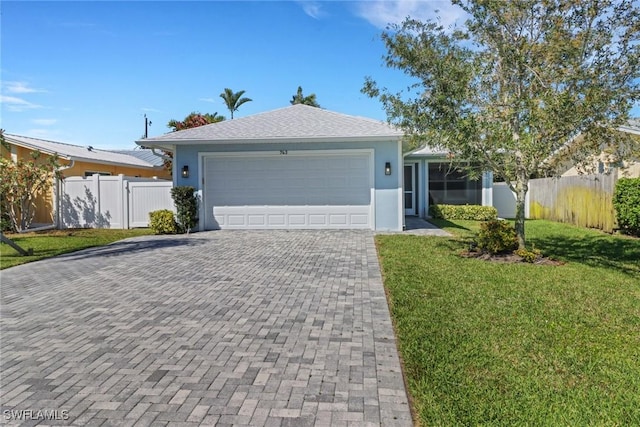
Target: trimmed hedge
163	222
468	212
186	202
626	202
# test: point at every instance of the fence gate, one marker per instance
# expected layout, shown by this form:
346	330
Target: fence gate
111	201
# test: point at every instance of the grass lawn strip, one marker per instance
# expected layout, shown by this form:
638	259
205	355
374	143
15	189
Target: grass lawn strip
518	344
47	244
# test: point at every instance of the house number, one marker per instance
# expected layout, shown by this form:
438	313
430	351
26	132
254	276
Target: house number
283	152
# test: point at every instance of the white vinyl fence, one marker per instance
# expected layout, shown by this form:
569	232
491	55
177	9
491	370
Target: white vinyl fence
504	200
112	201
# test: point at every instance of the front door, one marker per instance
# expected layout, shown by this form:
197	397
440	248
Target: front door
409	189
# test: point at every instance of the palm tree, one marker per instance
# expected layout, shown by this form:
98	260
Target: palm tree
299	98
233	100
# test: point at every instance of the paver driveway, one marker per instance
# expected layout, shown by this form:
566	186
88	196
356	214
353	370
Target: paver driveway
243	328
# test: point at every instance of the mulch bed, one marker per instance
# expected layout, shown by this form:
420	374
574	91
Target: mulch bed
508	258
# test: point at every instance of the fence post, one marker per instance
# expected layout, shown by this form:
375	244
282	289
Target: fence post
95	178
124	199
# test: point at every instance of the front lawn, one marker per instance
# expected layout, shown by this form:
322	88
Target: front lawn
518	344
47	244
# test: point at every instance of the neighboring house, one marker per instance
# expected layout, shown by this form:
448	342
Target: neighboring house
292	168
602	163
77	160
431	178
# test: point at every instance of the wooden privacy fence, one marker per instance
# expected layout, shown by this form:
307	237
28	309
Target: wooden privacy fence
112	201
583	200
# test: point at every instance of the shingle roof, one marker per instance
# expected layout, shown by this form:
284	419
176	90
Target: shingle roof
633	126
77	152
295	123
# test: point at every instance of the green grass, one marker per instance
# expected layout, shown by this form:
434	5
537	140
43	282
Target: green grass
518	344
47	244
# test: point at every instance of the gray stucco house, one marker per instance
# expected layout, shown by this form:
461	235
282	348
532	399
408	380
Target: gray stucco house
292	168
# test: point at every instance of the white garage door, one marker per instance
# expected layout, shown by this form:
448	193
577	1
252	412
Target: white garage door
290	190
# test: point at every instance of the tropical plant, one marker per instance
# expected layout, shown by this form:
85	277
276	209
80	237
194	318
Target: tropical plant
233	100
195	119
299	98
517	83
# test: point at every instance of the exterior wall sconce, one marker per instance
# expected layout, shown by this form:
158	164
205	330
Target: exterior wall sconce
185	171
387	168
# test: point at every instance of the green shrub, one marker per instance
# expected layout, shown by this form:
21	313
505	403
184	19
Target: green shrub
497	237
467	212
626	202
163	222
186	202
529	255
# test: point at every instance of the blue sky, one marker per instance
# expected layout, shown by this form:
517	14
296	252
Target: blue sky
87	72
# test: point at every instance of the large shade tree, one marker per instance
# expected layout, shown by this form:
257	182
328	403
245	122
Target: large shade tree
299	98
233	100
516	83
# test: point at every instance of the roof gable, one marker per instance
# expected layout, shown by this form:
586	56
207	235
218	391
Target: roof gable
77	152
296	123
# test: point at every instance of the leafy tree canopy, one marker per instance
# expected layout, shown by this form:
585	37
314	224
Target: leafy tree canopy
193	120
299	98
516	82
22	182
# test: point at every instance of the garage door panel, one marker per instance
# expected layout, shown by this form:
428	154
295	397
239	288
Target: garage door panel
293	191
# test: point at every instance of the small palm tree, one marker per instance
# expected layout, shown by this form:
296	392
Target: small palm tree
233	100
299	98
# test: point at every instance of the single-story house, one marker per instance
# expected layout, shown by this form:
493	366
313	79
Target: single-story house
431	178
291	168
602	163
84	161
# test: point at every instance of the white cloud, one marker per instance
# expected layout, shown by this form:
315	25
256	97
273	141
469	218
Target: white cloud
16	104
44	122
150	110
19	87
212	100
381	13
313	9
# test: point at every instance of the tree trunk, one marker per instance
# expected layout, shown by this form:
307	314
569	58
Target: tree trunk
521	194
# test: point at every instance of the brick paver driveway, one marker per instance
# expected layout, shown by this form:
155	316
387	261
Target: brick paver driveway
217	328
